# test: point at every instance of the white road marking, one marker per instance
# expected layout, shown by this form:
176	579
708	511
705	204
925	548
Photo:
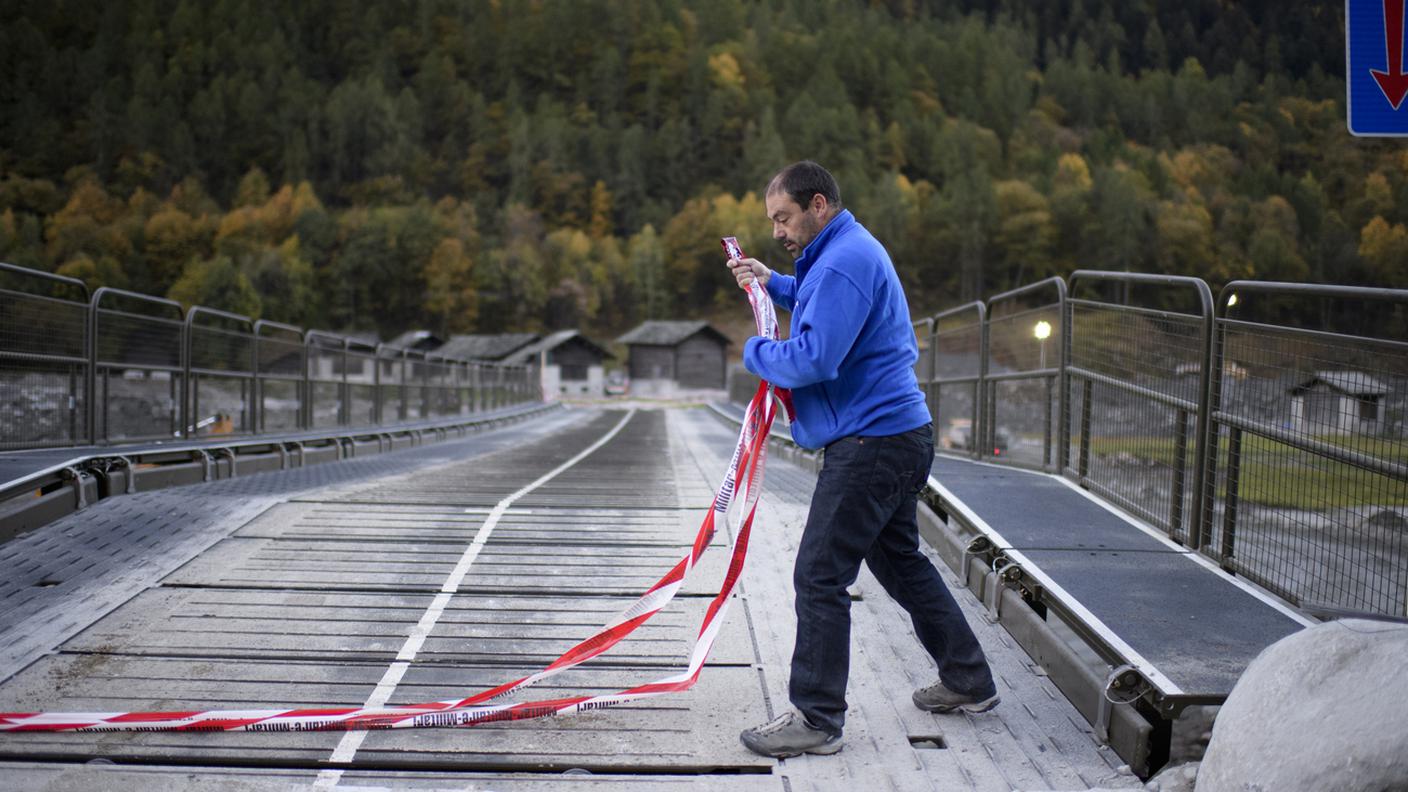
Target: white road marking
351	741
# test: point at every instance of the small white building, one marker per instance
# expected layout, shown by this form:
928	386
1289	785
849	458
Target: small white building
570	364
1337	402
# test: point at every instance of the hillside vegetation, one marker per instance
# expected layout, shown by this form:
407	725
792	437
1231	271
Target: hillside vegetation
496	164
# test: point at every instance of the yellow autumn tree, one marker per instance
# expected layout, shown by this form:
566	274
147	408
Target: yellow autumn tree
1384	248
451	297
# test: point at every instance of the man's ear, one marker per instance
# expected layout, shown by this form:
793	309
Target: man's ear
820	204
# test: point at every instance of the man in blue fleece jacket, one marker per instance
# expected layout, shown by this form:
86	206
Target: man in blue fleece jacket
849	361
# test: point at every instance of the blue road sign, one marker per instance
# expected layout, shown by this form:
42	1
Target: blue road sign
1375	79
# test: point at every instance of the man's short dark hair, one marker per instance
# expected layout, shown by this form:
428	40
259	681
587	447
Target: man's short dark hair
802	180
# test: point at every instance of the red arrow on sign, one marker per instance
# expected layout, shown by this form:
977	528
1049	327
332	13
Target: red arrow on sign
1394	83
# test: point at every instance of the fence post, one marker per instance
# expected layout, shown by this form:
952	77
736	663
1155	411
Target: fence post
980	392
188	393
1086	394
1229	509
92	385
1063	382
344	406
305	404
1205	499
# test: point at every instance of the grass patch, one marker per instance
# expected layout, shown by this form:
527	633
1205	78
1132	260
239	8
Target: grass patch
1276	474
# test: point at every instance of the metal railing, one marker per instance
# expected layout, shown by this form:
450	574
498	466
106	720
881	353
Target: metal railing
1276	449
1022	372
117	367
281	384
1136	377
220	371
138	343
955	386
45	364
1306	489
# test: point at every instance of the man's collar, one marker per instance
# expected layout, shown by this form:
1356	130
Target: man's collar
843	220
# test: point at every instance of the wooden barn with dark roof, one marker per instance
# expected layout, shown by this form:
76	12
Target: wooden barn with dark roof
689	354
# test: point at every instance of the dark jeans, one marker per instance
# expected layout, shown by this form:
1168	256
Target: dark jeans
864	508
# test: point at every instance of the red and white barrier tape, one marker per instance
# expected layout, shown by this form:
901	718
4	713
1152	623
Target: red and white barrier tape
742	482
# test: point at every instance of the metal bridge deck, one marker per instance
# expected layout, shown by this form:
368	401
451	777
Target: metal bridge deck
1180	616
301	588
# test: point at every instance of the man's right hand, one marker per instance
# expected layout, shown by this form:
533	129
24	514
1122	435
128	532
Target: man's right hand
745	271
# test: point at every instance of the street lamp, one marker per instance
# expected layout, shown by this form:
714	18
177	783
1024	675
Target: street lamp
1042	331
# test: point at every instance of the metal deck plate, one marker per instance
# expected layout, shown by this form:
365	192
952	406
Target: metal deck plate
1035	510
1193	624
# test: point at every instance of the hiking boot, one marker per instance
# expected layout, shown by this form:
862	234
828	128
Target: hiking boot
937	698
789	734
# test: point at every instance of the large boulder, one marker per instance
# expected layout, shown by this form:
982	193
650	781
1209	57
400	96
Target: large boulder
1324	709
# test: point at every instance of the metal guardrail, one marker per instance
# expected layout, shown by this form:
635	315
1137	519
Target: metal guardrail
1306	490
118	367
955	386
1022	367
45	363
281	385
1137	388
1279	450
138	343
220	372
924	363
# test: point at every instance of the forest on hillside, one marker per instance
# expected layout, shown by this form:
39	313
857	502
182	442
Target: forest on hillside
490	165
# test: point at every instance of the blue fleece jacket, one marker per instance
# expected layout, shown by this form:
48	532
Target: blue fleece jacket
850	358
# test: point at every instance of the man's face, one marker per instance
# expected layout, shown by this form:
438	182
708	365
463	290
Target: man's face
792	225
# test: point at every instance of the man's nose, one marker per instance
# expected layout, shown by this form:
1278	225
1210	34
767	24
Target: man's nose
778	232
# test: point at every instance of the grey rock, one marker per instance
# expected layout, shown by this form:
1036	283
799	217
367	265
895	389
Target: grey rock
1188	740
1174	778
1321	709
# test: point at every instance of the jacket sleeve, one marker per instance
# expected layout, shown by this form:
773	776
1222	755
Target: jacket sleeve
827	329
783	290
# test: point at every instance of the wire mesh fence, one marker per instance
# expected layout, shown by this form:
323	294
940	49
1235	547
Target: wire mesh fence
44	361
1308	492
418	386
1136	376
280	383
327	361
445	388
924	363
221	371
118	366
359	375
959	349
1022	371
1275	446
391	382
138	365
